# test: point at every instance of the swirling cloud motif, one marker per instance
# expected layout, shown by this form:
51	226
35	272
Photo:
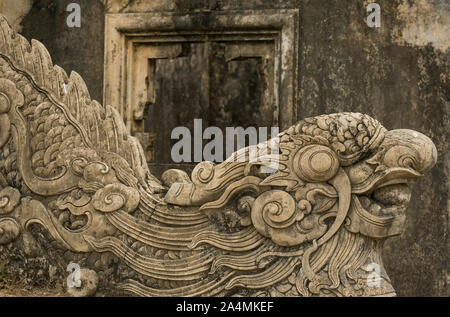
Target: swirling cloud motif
276	215
114	197
273	215
9	199
9	230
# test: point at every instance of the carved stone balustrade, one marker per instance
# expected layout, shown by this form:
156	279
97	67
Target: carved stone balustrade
75	187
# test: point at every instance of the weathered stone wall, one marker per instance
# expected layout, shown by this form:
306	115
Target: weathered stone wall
74	49
399	74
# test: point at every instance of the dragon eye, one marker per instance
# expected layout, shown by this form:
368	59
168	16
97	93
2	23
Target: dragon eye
316	163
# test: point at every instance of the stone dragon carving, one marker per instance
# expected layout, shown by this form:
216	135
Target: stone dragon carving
313	227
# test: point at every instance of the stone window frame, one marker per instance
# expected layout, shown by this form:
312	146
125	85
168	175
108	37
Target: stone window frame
280	26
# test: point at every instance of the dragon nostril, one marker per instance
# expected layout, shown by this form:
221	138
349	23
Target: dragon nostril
402	156
407	161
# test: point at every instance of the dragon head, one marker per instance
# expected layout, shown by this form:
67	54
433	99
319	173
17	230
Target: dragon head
340	187
381	181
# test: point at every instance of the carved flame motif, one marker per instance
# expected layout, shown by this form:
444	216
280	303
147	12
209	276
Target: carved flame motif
69	165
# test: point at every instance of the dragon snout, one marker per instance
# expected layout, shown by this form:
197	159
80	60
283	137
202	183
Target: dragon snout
410	149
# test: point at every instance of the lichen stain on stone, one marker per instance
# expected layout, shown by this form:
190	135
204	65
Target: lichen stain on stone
15	11
424	22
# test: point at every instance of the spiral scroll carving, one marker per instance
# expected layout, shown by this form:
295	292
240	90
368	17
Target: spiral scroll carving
316	163
203	173
277	215
114	197
9	199
9	230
